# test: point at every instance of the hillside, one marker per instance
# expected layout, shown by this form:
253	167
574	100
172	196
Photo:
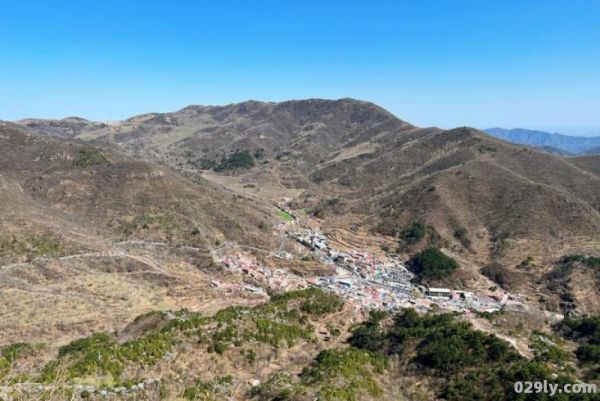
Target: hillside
90	238
135	254
589	163
374	162
541	139
301	346
353	165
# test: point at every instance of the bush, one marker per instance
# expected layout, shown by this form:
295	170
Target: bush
496	383
589	353
500	275
432	264
99	353
442	343
457	346
279	386
285	216
14	351
203	390
313	300
235	161
339	374
546	350
461	235
474	365
274	333
589	261
586	329
323	304
250	355
89	157
414	233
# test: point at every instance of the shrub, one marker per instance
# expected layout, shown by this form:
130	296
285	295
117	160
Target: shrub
500	275
13	351
96	340
313	300
259	153
432	264
370	335
585	330
589	353
414	233
526	263
208	391
589	261
235	161
279	386
285	215
497	383
250	355
443	344
323	304
461	235
457	346
98	353
89	157
274	333
340	374
474	365
546	350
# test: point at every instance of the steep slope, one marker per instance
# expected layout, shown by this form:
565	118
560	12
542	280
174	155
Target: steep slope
105	188
588	163
90	238
356	166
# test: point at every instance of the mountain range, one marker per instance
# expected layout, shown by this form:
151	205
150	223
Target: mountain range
385	171
559	143
113	227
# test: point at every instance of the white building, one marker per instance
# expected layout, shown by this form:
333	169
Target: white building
438	293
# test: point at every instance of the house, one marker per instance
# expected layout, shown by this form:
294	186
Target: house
346	283
466	295
340	257
438	293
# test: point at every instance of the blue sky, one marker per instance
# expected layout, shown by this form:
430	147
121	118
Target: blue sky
447	63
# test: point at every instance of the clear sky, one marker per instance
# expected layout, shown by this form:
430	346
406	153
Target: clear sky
525	63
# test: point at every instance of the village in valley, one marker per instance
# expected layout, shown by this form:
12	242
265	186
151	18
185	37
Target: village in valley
364	280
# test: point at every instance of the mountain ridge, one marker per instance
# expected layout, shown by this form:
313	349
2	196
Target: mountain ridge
542	139
355	166
142	251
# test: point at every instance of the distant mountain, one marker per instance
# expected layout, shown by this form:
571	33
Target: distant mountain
592	151
547	140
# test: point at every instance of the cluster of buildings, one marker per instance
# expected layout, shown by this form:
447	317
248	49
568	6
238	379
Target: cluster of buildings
364	280
383	282
277	280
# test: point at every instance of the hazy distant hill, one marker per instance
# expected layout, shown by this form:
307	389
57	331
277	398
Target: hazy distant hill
546	140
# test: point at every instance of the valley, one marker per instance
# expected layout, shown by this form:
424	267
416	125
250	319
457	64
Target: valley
289	251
